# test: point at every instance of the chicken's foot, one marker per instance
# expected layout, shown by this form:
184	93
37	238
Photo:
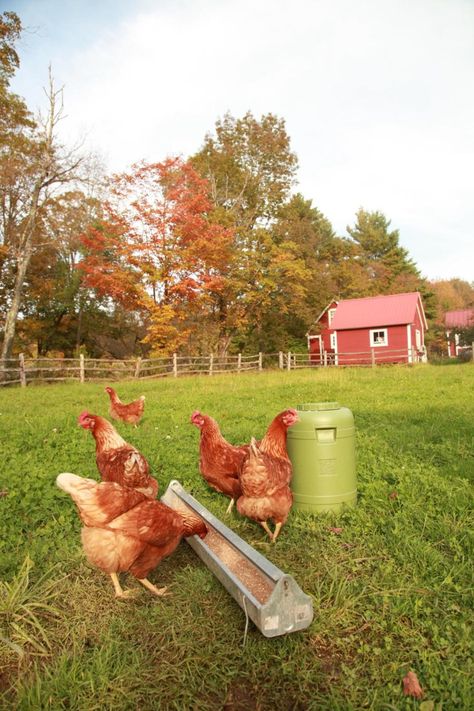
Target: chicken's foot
277	531
120	593
161	592
230	506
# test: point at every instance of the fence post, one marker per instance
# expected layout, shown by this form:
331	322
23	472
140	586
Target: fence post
325	359
21	358
175	365
472	352
239	362
372	357
260	360
288	362
137	367
81	368
280	360
211	363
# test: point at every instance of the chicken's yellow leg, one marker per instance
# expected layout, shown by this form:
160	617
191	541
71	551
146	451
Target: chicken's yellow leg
276	532
264	524
122	594
156	591
230	506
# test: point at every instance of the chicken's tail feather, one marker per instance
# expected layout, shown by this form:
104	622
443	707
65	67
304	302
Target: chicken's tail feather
69	482
254	447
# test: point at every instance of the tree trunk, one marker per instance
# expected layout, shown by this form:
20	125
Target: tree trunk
23	262
12	313
52	169
79	329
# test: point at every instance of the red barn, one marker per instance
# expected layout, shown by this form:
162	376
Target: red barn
455	321
375	329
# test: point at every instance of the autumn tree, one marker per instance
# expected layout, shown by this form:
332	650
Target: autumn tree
32	165
449	295
310	236
452	295
57	309
156	251
250	168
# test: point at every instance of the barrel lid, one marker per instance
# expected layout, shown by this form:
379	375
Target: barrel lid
320	406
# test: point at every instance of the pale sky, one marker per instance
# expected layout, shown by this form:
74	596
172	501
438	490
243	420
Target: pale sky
377	96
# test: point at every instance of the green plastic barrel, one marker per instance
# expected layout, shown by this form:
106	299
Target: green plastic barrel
321	447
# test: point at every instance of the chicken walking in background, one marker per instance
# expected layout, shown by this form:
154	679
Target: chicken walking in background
265	476
117	460
131	413
219	461
125	531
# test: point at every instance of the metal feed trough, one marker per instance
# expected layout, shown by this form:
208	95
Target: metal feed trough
271	599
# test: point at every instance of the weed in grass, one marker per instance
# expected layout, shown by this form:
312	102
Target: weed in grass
25	609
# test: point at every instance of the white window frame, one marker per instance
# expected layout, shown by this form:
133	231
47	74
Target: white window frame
332	341
373	343
331	313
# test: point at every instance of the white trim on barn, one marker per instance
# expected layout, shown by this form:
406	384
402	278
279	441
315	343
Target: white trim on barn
334	301
418	340
422	321
319	338
410	356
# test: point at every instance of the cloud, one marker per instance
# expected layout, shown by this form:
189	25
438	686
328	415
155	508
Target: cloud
375	93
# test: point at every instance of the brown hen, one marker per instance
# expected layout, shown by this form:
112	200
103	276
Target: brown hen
116	459
131	413
265	476
124	531
219	461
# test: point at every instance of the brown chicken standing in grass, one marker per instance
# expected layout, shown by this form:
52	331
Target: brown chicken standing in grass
116	459
125	531
265	476
131	413
219	461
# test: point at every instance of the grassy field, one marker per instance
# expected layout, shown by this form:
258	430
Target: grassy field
392	592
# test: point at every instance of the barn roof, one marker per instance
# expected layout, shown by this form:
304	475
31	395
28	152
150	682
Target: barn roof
459	319
373	311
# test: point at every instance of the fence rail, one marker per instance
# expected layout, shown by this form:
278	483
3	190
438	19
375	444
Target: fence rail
23	370
367	358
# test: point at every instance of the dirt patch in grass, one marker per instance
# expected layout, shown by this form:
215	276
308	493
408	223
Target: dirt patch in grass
8	675
241	697
330	659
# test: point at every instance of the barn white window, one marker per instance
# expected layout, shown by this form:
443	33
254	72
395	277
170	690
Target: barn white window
331	313
378	337
332	340
418	340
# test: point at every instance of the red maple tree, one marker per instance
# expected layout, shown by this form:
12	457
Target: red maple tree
156	250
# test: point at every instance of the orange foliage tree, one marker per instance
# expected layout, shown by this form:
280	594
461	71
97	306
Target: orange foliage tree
157	252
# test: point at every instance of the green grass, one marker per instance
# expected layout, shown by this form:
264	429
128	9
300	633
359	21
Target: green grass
392	592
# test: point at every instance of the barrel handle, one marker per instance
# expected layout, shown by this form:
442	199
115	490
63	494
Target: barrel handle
326	434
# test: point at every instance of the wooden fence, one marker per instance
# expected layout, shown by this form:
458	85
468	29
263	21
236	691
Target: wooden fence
23	370
371	358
